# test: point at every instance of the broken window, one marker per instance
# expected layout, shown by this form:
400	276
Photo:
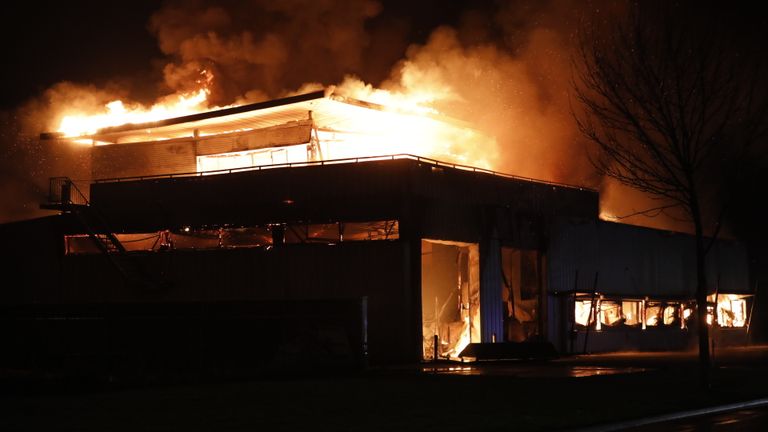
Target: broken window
246	237
631	311
331	233
602	312
84	244
251	158
312	233
374	230
671	314
726	310
610	313
731	310
236	237
583	312
688	313
654	314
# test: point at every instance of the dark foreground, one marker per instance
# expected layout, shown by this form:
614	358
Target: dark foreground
563	394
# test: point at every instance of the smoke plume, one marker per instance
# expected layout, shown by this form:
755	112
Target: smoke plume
263	48
504	68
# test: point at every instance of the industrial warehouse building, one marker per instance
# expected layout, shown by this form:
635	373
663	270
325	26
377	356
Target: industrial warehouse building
261	236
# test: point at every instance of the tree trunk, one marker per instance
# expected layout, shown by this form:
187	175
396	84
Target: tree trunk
701	297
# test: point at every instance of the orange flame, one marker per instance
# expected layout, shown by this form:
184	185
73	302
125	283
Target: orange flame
116	112
410	124
404	122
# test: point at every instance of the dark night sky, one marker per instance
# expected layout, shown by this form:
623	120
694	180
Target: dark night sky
95	42
79	41
109	45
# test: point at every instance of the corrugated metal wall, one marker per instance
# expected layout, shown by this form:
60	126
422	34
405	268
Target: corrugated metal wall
728	267
491	303
180	156
143	159
637	261
262	138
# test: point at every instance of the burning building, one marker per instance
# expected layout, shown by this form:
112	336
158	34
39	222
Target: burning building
320	226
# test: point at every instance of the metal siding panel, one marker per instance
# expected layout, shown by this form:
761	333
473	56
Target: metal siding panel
728	268
491	305
134	160
217	145
262	138
449	222
573	247
639	261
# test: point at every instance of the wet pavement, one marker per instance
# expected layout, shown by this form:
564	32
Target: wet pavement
579	366
753	419
554	395
532	371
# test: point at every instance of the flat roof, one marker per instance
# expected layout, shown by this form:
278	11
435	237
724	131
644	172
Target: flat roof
424	160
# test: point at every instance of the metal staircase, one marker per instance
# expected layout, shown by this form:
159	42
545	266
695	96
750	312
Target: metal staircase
64	195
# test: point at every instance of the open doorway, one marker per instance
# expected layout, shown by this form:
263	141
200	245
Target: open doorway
521	293
450	297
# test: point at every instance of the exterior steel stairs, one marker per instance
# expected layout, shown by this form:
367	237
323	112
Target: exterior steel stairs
65	196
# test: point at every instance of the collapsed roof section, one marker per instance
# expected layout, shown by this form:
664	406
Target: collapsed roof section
327	109
318	126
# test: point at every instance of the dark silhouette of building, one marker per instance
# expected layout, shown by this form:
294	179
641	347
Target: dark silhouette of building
160	264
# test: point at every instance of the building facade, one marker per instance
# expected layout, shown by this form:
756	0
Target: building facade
240	234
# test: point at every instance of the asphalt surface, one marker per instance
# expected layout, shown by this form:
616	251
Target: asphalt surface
753	419
590	392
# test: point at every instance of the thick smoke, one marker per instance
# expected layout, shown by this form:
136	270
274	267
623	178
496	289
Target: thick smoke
502	67
521	100
261	49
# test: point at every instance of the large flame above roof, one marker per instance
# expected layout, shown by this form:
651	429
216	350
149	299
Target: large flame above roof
117	112
352	120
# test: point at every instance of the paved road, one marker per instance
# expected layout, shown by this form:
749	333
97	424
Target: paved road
753	419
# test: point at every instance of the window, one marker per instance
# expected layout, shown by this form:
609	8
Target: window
672	314
610	313
583	312
731	310
616	312
653	314
631	312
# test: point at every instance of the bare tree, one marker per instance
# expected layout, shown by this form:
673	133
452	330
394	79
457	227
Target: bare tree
674	107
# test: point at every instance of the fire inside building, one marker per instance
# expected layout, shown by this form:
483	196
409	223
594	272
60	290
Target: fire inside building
290	231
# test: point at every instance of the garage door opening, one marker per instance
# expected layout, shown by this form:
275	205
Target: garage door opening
450	297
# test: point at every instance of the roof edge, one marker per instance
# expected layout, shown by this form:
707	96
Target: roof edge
199	116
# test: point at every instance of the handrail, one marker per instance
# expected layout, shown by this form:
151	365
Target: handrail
363	159
60	191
